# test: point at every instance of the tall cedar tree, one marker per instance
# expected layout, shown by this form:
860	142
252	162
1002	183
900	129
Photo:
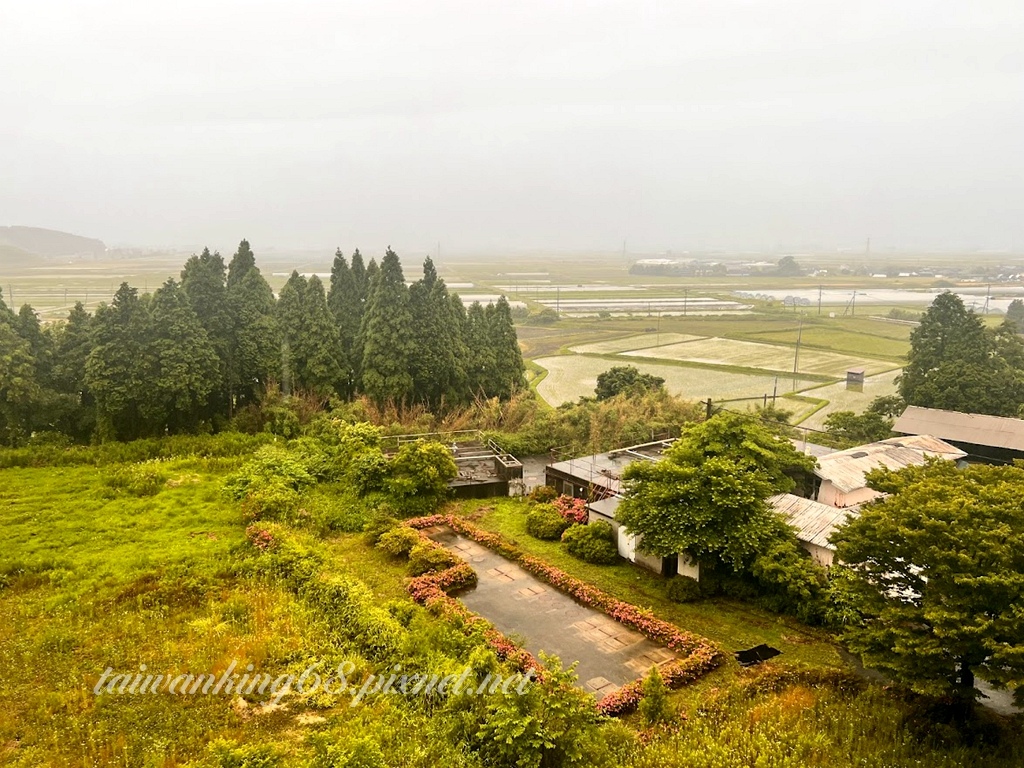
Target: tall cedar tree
956	364
182	368
437	350
509	370
320	352
255	349
345	300
204	281
289	312
19	389
115	369
388	346
480	367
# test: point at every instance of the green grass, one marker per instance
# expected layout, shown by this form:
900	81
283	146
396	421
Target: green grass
841	339
731	624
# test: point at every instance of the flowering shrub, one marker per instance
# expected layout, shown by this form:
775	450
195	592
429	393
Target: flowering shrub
573	510
260	537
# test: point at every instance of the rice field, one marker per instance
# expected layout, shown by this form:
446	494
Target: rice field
640	341
842	399
842	340
749	354
573	376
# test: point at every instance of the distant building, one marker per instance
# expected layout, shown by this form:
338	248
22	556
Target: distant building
840	476
984	438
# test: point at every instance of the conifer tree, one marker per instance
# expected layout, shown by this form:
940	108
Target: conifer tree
480	365
359	275
387	335
289	311
322	369
509	369
182	367
345	300
203	280
437	340
254	347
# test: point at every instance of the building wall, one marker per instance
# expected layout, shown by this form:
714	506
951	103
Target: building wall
688	567
829	494
821	555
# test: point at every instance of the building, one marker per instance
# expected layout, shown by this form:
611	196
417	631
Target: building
814	523
485	470
840	475
599	475
984	438
628	544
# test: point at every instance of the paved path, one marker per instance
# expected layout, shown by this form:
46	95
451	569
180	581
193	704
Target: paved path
515	601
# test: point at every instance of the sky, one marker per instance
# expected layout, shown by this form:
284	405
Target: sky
492	127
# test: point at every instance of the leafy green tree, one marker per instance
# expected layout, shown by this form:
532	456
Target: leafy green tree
509	369
72	342
419	475
849	428
936	572
255	347
626	379
387	339
204	282
319	352
889	406
707	496
788	267
1015	314
40	344
955	364
19	388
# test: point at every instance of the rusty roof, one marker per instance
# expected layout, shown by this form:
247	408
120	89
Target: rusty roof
846	469
971	428
814	521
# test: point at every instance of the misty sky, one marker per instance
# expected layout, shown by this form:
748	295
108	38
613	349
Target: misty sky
492	126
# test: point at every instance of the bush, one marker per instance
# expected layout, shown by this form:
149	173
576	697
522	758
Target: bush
272	501
682	589
572	509
146	478
399	541
381	521
593	543
545	523
426	557
543	494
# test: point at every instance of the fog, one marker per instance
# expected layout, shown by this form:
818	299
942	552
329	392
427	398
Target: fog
536	124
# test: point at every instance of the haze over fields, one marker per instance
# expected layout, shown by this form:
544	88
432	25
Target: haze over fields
529	125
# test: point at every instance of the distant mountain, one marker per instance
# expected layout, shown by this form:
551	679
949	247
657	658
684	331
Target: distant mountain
48	243
12	258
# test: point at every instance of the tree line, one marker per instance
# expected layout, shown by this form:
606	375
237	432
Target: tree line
186	357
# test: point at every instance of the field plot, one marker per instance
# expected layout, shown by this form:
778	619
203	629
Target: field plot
841	340
629	343
842	399
573	376
748	354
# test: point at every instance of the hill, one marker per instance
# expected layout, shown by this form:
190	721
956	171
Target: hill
50	243
11	257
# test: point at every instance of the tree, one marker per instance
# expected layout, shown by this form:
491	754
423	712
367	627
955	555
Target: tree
255	347
204	282
439	351
387	337
481	364
1015	314
319	353
788	267
72	344
182	368
849	428
936	570
509	369
345	300
707	496
626	379
19	389
955	364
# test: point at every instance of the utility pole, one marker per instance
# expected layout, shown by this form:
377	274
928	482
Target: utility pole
853	304
988	295
796	356
819	301
686	295
558	298
709	409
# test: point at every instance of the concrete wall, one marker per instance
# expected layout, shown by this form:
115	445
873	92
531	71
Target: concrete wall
821	555
688	567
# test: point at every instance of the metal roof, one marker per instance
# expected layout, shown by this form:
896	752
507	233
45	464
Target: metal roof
971	428
814	522
606	507
811	449
846	469
605	469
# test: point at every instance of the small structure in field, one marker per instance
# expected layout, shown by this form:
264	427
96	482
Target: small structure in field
855	379
814	523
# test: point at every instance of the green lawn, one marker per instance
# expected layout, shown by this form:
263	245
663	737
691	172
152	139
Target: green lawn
731	624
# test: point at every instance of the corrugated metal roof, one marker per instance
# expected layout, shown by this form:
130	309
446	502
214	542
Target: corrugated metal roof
605	469
814	522
811	449
973	428
846	469
606	507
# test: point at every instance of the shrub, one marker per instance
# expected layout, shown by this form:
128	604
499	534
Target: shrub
381	521
399	541
593	543
143	479
682	589
270	465
544	522
572	509
654	706
427	557
270	501
543	494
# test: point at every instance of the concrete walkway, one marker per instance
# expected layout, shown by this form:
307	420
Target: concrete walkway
516	602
